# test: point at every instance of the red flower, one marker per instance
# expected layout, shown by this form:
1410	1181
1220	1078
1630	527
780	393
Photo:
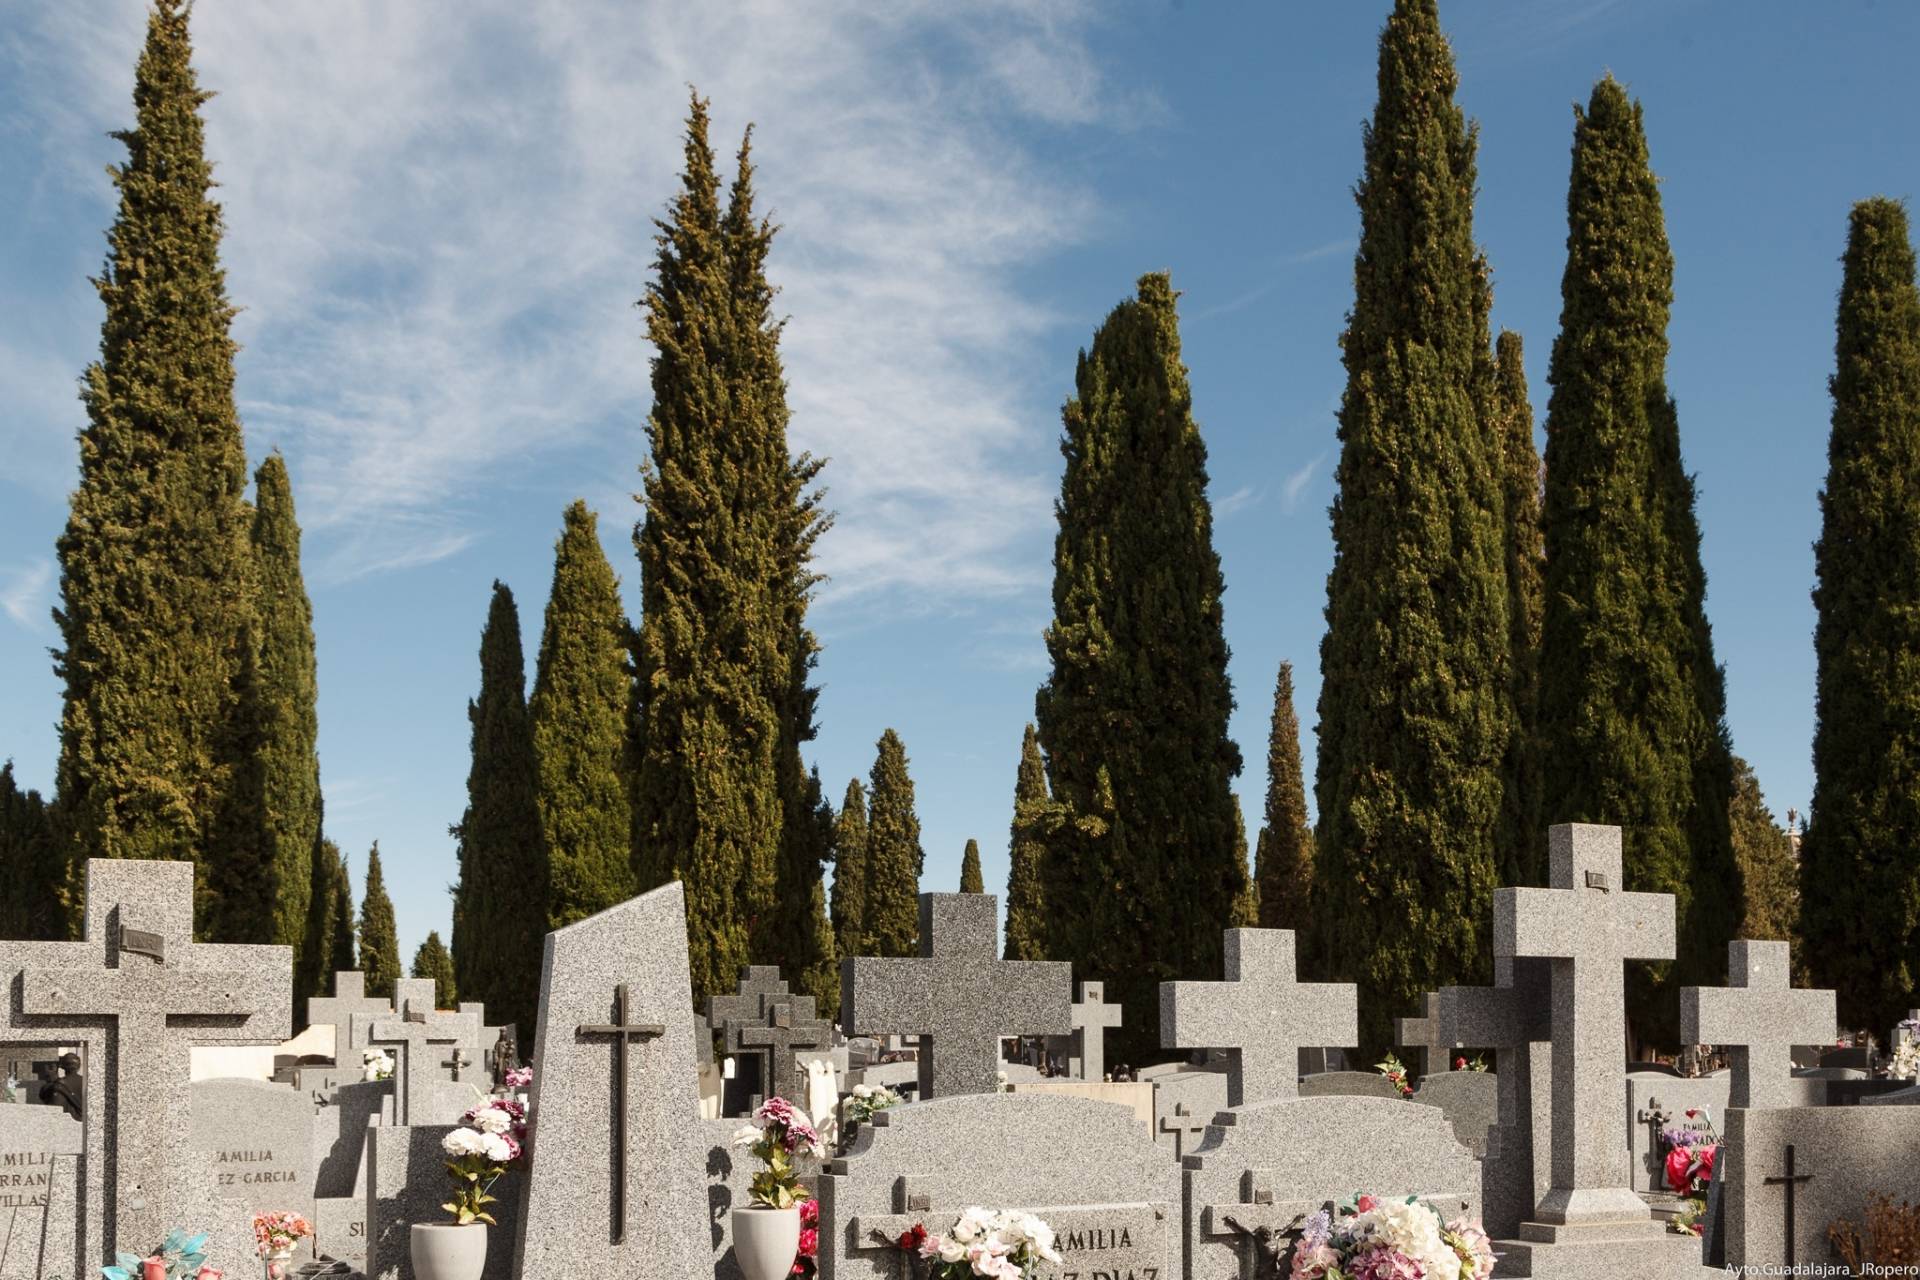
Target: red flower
1679	1163
810	1213
913	1238
1707	1155
1459	1064
1366	1204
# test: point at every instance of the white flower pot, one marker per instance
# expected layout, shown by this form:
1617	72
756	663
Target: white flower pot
766	1241
443	1251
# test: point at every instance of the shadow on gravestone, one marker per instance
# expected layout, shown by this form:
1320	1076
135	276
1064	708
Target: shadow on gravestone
1470	1100
1184	1104
1840	1155
729	1171
407	1182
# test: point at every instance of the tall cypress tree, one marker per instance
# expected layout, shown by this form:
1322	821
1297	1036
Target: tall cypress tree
343	945
1026	925
890	924
1283	856
313	963
579	714
379	935
1632	705
432	960
1522	846
970	878
1859	869
815	952
1769	875
1139	686
500	901
850	871
1415	708
290	727
156	583
723	655
33	880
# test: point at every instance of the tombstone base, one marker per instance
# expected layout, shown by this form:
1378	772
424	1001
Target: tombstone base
1642	1250
1607	1206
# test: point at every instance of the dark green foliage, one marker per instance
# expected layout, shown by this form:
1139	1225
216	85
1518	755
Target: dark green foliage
1246	907
432	960
813	951
1522	846
1632	705
500	901
1415	710
287	689
1860	862
1770	893
1283	857
579	711
1026	909
890	924
723	656
379	936
33	880
342	948
850	871
156	579
1138	692
313	964
970	879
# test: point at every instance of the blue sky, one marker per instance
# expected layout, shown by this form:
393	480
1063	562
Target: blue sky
438	220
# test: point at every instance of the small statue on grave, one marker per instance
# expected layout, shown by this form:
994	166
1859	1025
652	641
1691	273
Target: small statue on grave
506	1057
70	1090
1272	1246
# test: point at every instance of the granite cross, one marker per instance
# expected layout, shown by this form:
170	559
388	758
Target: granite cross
1091	1018
458	1062
349	997
1587	928
758	985
959	997
1262	1015
624	1031
140	971
1182	1123
1759	1018
414	1034
1423	1033
781	1036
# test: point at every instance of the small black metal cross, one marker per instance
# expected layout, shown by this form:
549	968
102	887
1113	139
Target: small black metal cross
1790	1179
624	1032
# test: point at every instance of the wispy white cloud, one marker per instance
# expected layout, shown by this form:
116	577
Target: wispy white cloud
439	217
1297	481
1248	297
1239	500
26	594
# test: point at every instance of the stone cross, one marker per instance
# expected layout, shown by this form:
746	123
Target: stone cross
458	1063
145	992
1759	1017
624	1031
414	1035
781	1037
1587	927
1510	1018
1262	1015
959	997
1184	1125
349	997
1423	1033
1091	1018
758	985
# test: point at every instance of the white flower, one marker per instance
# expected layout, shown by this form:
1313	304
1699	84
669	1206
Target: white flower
863	1091
746	1135
492	1120
952	1250
462	1142
495	1148
974	1225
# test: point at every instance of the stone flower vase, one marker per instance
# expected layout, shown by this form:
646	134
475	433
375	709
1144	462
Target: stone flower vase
447	1251
278	1264
766	1241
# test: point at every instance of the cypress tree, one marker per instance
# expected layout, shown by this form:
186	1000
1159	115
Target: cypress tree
33	881
1859	870
815	953
500	901
156	580
1415	709
890	924
379	936
850	871
970	879
290	728
1522	846
313	963
432	960
1246	907
1632	705
723	655
1770	895
579	715
1283	857
342	947
1026	909
1139	686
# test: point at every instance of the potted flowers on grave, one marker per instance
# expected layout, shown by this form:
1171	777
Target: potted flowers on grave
1378	1237
518	1081
1005	1244
806	1260
766	1231
178	1257
276	1235
490	1141
1689	1168
376	1064
863	1104
1905	1063
1396	1073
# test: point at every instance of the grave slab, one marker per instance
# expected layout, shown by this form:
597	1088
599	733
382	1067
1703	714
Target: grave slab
249	1150
1348	1084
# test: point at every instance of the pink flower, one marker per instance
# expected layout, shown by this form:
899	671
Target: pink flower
1383	1262
1367	1203
810	1213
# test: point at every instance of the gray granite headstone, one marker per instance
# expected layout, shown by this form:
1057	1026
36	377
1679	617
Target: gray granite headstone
1848	1151
1423	1033
1092	1017
1759	1017
40	1185
1513	1019
423	1043
1470	1100
349	997
1262	1015
137	994
1907	1097
249	1150
1658	1102
1265	1164
1184	1104
787	1031
1348	1084
407	1183
624	1196
959	997
1087	1168
730	1171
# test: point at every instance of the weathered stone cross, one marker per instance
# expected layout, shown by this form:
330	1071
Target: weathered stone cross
414	1034
959	997
758	985
1091	1018
1759	1018
1423	1033
781	1037
1262	1015
624	1031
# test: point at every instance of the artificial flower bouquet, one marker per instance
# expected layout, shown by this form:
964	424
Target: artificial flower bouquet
278	1232
1002	1244
1905	1064
376	1064
779	1132
1371	1238
519	1078
806	1261
1396	1073
1689	1167
492	1138
177	1257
